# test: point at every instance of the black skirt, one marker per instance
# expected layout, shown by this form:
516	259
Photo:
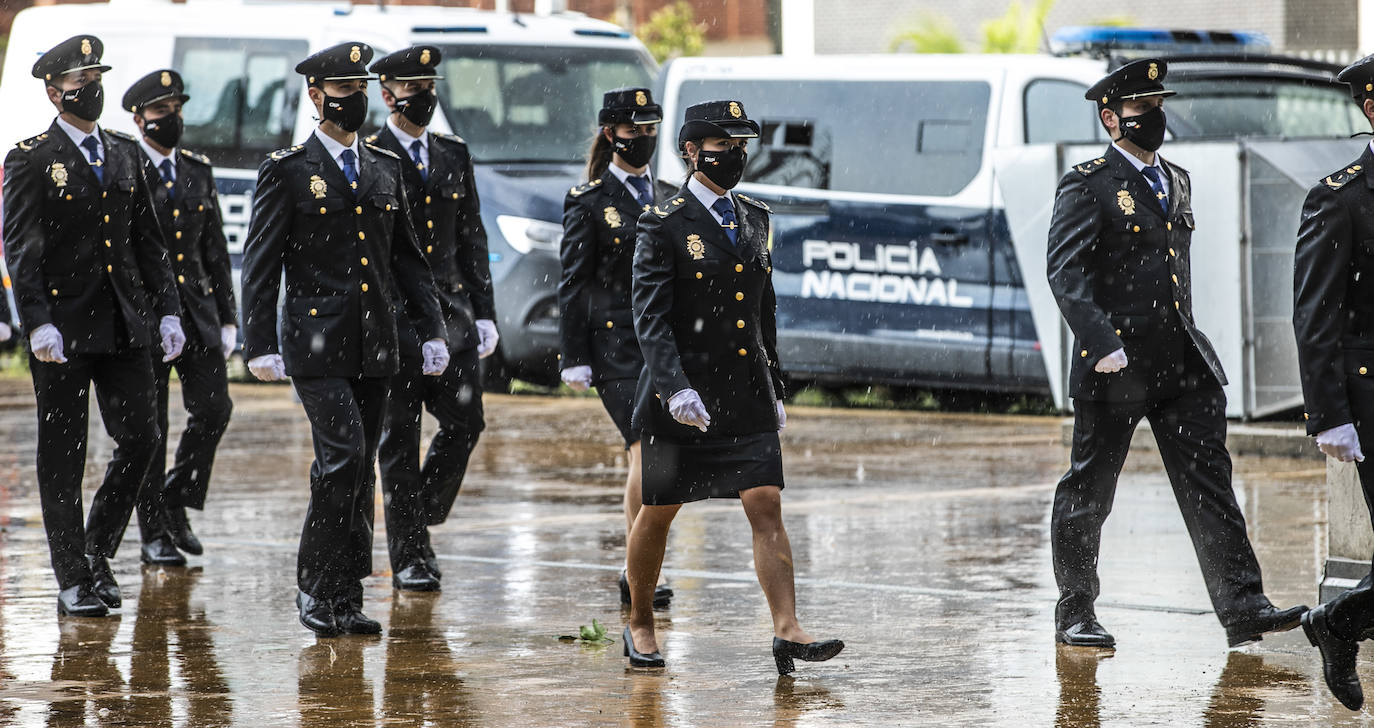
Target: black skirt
618	397
713	467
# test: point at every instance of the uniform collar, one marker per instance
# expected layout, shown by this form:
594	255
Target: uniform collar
333	147
155	155
77	136
405	139
1135	161
704	194
623	176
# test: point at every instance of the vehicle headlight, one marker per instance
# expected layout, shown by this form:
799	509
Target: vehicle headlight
526	233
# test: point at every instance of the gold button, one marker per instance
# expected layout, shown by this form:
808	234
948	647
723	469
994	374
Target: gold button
69	197
1306	416
616	241
103	195
361	235
1118	332
1168	226
364	261
313	312
54	291
1135	228
429	224
427	198
1175	305
770	269
181	279
698	275
358	210
107	243
109	269
181	257
178	236
739	324
388	207
176	213
739	268
1175	279
739	296
200	208
743	352
455	195
1172	253
460	286
1083	353
107	218
364	288
323	211
610	324
1363	371
429	248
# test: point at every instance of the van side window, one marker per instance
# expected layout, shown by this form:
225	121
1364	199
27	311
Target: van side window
840	135
1056	112
243	96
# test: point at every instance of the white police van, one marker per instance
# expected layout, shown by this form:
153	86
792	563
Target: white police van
912	195
522	89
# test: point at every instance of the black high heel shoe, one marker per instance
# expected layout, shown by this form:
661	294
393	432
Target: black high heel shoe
819	651
637	658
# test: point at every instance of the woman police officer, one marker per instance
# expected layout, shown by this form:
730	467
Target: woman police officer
709	402
599	220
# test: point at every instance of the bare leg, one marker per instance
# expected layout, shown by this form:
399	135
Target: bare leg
648	539
633	497
773	560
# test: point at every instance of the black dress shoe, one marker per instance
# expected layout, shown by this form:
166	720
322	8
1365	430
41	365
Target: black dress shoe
104	585
162	552
663	594
819	651
1085	633
1338	658
415	578
182	535
351	620
637	658
78	601
317	615
1268	619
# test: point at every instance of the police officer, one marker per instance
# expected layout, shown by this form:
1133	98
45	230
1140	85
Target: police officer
1118	266
330	214
194	233
709	399
444	209
92	283
1333	318
596	324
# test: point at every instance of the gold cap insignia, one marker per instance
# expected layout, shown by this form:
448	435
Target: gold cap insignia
317	186
86	46
641	98
695	247
166	78
424	57
1153	73
59	174
1125	202
735	110
612	217
355	54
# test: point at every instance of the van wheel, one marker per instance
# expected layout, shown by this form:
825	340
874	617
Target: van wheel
496	377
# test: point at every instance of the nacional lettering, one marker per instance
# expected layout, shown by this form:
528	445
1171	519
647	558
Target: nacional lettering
906	274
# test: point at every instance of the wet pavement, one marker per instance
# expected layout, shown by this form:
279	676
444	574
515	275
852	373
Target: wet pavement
920	539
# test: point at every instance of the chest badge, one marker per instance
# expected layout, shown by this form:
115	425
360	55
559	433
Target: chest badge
695	247
59	174
1125	202
317	186
613	217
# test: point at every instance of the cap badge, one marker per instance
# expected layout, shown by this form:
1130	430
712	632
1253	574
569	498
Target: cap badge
1153	73
317	186
59	174
355	55
695	247
86	46
641	98
1125	201
166	78
612	217
735	110
424	57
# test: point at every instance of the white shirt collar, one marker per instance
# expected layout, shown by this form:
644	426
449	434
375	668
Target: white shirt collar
335	149
157	156
78	136
1135	161
624	176
1371	146
405	139
706	195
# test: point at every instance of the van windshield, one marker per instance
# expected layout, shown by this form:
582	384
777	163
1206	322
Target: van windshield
532	103
1261	107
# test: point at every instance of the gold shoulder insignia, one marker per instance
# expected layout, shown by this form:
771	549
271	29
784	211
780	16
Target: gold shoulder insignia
284	153
32	142
379	150
1342	177
584	188
372	139
451	137
120	135
195	157
1091	167
756	203
669	207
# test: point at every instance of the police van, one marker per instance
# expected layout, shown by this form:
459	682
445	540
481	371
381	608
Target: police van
912	193
522	89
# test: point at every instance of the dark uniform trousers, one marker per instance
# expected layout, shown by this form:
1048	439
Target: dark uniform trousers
338	336
446	214
86	255
1119	268
200	257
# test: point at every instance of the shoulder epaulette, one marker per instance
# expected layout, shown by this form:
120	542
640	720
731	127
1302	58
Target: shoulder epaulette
1341	177
585	187
193	156
450	137
670	206
372	139
281	154
756	203
1092	167
121	135
380	150
32	142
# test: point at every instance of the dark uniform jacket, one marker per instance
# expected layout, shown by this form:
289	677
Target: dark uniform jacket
1119	269
84	256
1333	297
597	330
194	233
446	215
705	316
342	250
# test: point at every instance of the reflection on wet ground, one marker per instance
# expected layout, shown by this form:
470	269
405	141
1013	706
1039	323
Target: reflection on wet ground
920	539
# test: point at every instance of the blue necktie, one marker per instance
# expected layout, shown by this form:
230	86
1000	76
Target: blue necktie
641	188
167	178
1157	184
350	169
727	218
419	163
93	147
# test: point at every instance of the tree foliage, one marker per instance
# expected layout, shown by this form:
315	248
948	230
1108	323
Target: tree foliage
673	31
1018	30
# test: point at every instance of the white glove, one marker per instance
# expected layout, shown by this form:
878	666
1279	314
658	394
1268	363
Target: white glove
486	338
435	352
46	344
5	331
1341	443
173	338
782	416
1111	363
686	407
579	378
268	367
228	339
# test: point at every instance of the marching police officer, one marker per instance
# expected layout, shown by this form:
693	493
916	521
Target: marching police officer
194	234
331	215
1332	315
596	323
1118	266
92	282
709	399
437	172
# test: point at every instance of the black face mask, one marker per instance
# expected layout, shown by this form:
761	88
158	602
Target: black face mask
347	112
418	109
86	102
635	151
723	168
165	130
1146	130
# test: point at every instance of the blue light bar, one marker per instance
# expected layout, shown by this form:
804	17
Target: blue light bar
449	29
602	33
1080	38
